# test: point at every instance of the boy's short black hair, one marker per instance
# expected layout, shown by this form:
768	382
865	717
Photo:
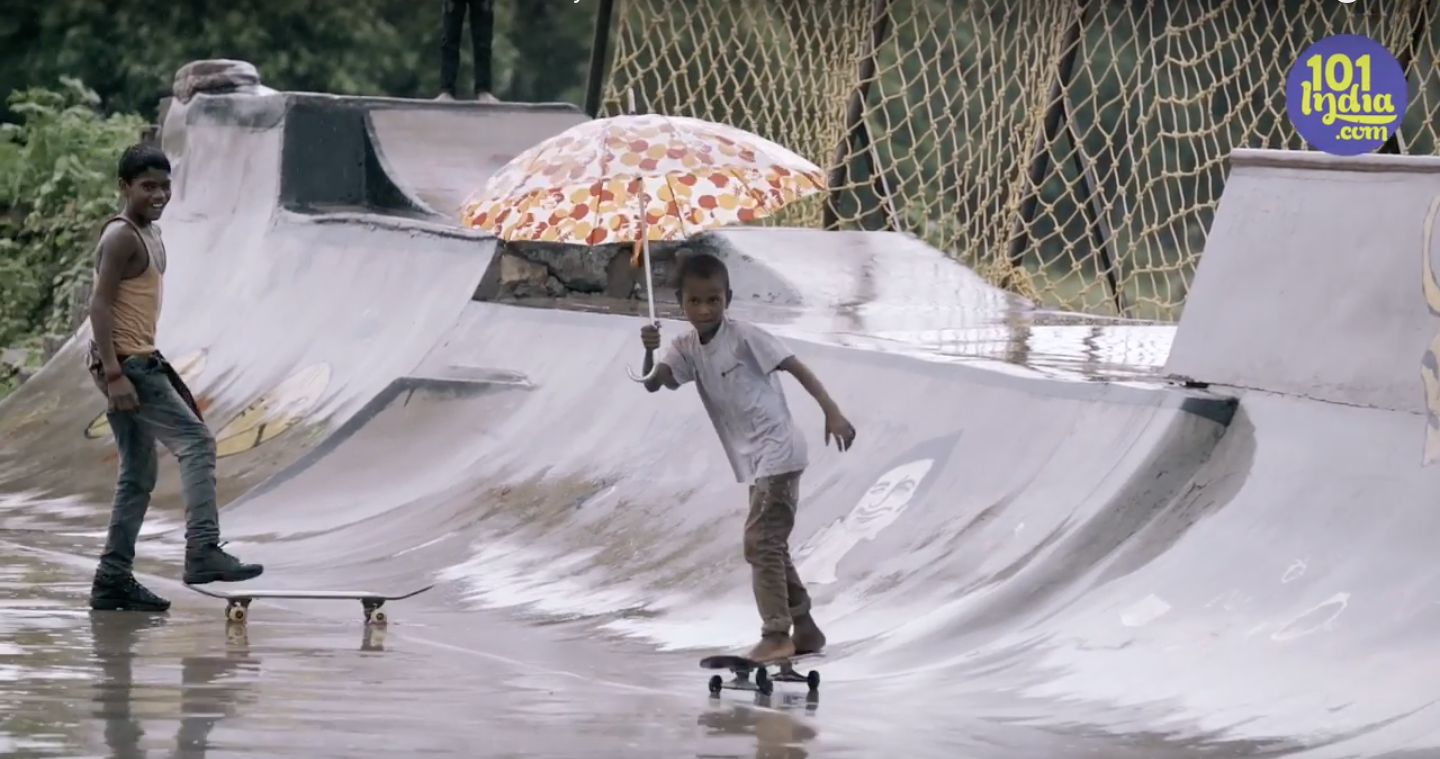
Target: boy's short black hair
140	158
701	266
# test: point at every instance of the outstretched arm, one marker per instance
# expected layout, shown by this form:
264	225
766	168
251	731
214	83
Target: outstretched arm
811	383
836	425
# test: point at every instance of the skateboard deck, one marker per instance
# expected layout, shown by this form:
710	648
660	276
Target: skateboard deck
237	606
763	681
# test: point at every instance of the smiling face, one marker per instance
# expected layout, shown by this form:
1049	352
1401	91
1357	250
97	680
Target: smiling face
147	196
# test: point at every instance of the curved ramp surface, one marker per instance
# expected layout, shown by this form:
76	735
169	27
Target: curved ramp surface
283	324
442	154
1319	280
1008	564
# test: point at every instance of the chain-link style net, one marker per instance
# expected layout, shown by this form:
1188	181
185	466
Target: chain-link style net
1103	209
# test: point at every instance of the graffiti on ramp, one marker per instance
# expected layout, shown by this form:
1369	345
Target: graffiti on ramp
898	484
188	366
274	413
269	416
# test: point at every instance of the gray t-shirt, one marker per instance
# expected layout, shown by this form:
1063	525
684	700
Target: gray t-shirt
735	376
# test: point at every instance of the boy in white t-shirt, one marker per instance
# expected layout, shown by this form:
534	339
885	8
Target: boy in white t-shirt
733	365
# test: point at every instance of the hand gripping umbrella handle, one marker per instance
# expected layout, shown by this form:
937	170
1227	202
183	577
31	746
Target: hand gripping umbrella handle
641	378
649	293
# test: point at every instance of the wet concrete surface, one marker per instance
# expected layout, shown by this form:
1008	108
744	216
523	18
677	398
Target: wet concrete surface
307	679
1037	548
890	293
438	155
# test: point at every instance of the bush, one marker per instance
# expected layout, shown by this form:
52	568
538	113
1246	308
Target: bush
57	185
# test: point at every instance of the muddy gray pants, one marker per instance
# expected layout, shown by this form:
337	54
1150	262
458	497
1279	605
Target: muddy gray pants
779	594
168	415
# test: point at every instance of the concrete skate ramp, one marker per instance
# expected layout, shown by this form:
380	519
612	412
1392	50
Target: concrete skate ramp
1160	566
556	488
441	153
1286	596
1071	567
283	324
1317	280
1310	564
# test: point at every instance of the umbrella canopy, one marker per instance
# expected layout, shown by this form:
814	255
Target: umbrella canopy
641	177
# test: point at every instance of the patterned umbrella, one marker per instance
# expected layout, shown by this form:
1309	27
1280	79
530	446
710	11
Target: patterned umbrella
641	178
589	184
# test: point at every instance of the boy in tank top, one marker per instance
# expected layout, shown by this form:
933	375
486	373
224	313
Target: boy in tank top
147	400
734	366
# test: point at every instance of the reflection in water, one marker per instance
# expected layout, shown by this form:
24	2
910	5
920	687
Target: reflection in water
372	638
115	637
778	735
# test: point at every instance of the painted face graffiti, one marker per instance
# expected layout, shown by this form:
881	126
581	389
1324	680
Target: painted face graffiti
881	505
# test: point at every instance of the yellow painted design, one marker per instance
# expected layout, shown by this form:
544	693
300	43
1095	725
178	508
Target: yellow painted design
188	366
275	412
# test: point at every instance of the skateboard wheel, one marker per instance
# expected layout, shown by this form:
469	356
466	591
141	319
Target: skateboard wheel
765	686
235	614
813	680
376	617
715	684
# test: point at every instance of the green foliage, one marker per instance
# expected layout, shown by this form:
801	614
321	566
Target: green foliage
57	158
129	52
57	184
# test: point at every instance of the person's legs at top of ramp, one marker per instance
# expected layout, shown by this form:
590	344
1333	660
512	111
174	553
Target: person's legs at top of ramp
147	400
733	364
482	36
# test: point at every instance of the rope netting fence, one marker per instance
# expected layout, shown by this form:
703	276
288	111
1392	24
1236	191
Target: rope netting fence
1071	151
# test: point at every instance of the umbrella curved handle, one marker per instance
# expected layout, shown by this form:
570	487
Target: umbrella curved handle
649	293
648	375
642	378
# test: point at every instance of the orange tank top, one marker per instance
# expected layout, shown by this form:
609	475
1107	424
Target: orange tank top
138	303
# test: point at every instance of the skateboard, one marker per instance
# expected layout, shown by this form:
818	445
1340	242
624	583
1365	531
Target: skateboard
237	606
763	682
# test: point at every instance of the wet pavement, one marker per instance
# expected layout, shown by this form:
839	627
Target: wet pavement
297	682
309	680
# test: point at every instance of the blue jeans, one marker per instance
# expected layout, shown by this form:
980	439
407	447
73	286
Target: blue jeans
167	417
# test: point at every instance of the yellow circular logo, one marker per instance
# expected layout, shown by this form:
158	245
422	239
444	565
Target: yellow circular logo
1346	94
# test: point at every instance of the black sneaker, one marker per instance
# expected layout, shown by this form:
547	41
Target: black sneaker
122	592
211	564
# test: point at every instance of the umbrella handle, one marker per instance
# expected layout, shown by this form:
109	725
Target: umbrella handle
649	294
641	378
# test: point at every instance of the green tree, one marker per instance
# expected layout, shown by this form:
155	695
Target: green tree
57	184
129	52
58	149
